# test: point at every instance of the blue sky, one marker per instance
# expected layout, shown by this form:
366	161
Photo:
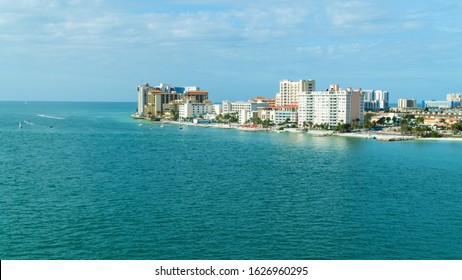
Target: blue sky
100	50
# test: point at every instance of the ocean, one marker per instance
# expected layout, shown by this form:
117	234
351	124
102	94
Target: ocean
85	181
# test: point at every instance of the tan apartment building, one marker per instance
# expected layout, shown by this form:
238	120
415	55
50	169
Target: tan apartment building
289	91
158	102
196	96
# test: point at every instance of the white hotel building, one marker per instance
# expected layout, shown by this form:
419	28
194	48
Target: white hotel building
244	110
331	106
190	109
279	114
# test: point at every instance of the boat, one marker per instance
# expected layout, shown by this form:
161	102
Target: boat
20	125
161	125
140	124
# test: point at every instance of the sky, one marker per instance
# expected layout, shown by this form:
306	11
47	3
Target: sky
101	50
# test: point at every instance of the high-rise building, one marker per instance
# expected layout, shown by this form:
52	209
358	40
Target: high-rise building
142	98
331	107
357	108
376	99
289	91
160	101
454	97
407	103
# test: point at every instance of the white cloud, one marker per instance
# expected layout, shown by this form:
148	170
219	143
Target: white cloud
75	20
348	13
228	33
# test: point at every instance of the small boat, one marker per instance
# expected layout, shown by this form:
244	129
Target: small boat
140	124
20	125
161	125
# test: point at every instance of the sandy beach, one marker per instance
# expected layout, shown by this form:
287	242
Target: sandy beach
380	136
393	137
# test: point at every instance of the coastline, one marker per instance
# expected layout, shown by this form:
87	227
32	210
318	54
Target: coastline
441	139
379	136
386	137
394	137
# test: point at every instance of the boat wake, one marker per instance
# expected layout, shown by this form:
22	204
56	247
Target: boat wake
50	117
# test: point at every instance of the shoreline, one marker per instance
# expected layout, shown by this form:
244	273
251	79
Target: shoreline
394	137
386	137
382	137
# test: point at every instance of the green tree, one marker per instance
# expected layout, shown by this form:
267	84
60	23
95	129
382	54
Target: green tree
219	118
367	121
175	115
419	120
342	127
381	121
456	127
255	120
409	117
233	118
404	126
433	134
267	123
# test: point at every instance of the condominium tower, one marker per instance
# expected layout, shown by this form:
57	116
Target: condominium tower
142	98
289	91
331	107
407	103
454	97
375	99
161	101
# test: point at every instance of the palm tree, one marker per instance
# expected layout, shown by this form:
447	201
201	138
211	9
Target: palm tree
419	120
456	127
405	127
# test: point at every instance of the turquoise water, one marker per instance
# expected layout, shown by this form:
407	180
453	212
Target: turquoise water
84	181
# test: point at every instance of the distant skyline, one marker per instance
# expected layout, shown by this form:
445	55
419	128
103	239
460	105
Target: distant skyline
100	50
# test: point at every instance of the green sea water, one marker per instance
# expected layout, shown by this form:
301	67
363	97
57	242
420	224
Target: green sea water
85	181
